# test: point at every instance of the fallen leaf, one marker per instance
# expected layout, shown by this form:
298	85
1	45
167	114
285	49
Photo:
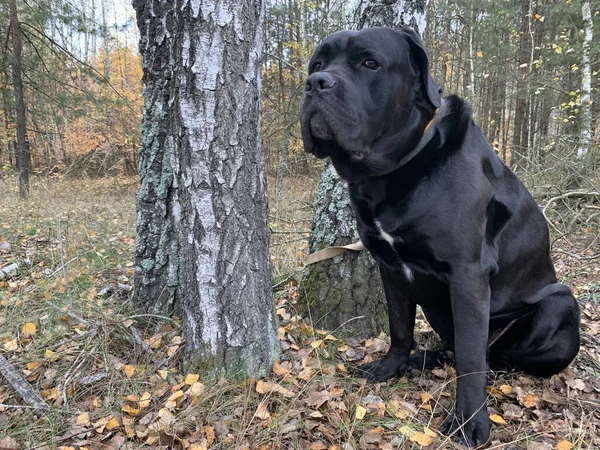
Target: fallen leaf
112	423
29	329
281	369
263	387
425	397
191	378
497	418
564	445
317	343
577	384
196	389
360	412
407	431
11	345
83	419
506	389
210	434
131	410
261	412
423	439
144	401
129	370
531	401
317	398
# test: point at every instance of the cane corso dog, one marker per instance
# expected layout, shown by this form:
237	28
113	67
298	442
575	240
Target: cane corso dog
451	227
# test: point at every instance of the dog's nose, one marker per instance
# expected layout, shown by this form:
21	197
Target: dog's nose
319	82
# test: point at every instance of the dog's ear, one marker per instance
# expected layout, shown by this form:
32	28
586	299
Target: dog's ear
420	55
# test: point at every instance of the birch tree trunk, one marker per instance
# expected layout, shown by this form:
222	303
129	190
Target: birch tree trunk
202	234
23	155
346	292
586	82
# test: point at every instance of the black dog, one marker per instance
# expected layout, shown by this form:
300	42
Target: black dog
451	227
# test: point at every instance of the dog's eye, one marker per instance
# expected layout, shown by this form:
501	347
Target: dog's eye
316	67
370	64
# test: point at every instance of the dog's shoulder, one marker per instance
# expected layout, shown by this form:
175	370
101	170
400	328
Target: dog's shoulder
455	122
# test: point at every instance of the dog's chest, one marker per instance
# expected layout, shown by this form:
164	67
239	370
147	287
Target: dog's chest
387	248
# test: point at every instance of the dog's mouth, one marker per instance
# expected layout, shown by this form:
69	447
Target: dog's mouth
322	139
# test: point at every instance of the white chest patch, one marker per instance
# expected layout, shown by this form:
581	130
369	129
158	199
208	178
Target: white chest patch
408	273
385	236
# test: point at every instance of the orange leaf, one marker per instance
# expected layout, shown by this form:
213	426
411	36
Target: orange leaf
564	445
129	370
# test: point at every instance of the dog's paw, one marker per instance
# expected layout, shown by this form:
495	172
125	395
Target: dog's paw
382	369
473	433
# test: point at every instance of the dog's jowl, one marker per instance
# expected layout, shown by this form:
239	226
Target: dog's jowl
451	227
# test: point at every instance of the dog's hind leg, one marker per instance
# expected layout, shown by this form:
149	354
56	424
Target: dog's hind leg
544	343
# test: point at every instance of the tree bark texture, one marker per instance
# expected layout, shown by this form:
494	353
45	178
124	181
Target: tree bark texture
349	286
23	155
586	81
202	246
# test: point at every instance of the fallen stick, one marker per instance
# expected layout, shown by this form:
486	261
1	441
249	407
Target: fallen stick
7	271
21	386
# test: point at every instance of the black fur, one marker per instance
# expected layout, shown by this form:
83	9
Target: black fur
470	244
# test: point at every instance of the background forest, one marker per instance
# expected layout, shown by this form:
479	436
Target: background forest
103	375
521	64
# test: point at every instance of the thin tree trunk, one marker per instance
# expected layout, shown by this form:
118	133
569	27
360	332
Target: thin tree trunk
203	244
349	286
586	78
23	155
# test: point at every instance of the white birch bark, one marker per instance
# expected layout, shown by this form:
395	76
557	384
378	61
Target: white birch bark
203	242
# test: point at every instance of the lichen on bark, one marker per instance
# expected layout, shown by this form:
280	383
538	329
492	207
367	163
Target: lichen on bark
203	241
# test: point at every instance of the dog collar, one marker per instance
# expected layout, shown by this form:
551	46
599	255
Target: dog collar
428	134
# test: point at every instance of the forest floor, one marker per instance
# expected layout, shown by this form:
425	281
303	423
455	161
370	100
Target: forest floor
112	377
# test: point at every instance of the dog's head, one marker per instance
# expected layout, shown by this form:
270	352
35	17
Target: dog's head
368	93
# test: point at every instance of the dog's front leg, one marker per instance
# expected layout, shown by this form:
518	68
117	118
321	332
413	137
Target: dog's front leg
401	313
470	300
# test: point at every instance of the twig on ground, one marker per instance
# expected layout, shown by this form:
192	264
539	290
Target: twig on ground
21	386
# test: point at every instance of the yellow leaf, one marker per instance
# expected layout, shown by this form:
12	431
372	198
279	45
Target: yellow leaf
422	439
29	329
11	345
145	400
506	389
558	49
163	374
360	412
112	423
172	350
131	410
564	445
129	370
480	53
425	397
49	354
196	389
497	418
317	343
191	378
83	419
